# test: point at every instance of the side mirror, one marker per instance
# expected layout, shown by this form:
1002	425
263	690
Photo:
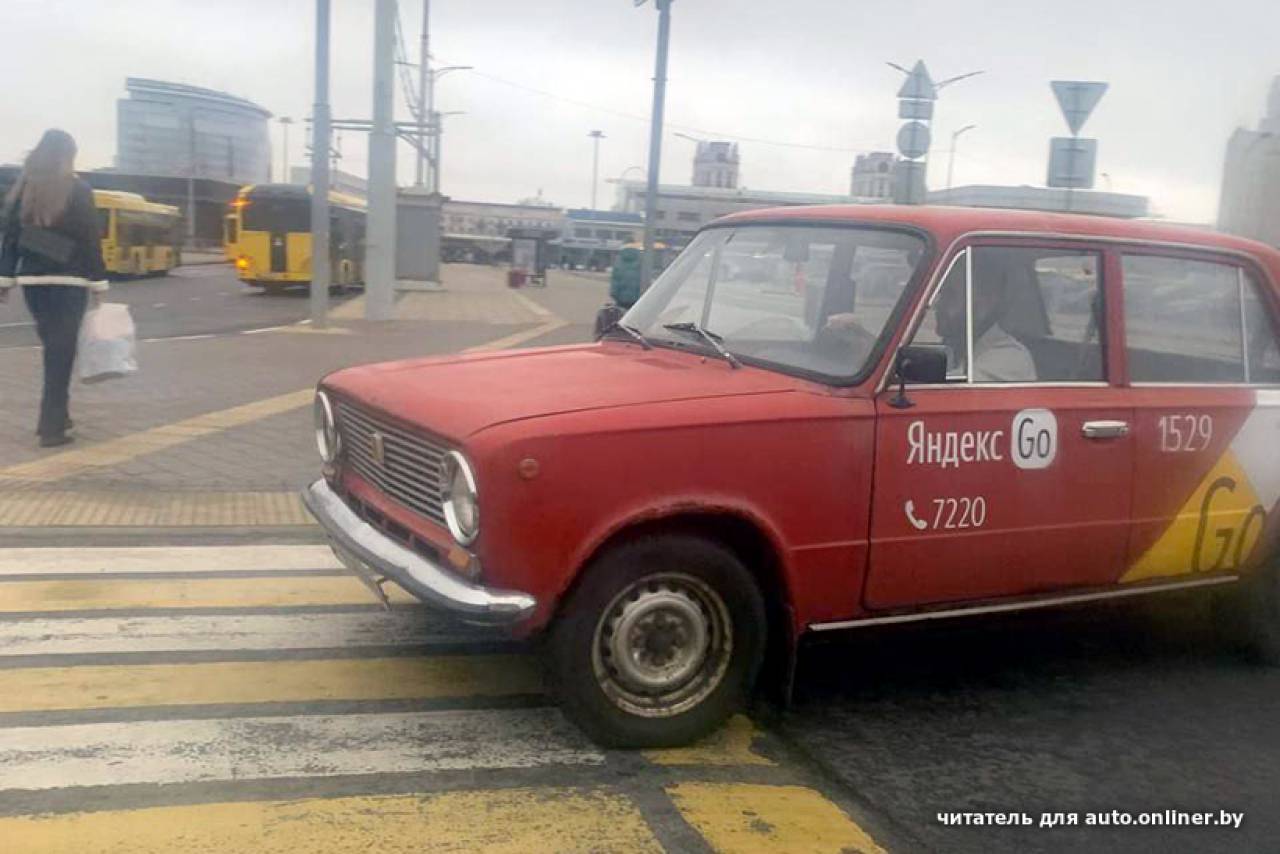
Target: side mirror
918	363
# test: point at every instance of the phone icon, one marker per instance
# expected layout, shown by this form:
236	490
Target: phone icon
910	508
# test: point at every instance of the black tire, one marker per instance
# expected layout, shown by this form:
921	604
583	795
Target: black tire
659	587
1247	616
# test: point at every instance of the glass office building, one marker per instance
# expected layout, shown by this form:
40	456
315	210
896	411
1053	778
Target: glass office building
185	131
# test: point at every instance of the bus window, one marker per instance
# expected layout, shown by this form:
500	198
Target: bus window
229	230
277	215
104	223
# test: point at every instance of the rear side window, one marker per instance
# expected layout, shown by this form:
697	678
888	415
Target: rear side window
1189	321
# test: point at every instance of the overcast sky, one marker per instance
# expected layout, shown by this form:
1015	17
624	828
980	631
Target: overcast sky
1183	74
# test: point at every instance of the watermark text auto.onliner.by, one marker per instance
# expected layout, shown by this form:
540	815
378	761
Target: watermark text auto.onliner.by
1104	818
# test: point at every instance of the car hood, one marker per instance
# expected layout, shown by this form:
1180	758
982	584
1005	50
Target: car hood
456	396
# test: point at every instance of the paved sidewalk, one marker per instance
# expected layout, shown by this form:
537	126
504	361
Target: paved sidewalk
216	431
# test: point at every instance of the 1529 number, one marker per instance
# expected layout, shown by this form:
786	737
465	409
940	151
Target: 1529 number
1185	433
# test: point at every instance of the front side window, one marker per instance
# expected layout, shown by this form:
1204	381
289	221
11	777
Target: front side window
1019	314
806	299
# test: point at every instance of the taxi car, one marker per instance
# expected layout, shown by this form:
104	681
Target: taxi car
831	418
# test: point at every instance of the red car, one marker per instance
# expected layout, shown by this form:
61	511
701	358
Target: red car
831	418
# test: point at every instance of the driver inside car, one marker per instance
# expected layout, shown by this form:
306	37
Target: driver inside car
998	357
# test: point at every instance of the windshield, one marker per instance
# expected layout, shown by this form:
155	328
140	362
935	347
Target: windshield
812	300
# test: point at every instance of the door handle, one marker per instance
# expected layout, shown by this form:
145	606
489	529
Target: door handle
1105	429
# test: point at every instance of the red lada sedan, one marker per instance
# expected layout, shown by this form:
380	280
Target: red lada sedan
831	418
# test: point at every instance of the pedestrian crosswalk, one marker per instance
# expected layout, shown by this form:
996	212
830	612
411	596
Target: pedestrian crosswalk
246	698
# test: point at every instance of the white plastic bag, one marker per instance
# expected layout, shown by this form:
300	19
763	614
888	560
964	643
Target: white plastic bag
108	343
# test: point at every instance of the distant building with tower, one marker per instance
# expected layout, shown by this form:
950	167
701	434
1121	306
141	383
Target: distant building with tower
1250	203
873	176
716	165
176	130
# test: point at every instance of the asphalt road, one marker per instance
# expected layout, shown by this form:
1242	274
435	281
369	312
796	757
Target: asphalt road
196	300
1131	708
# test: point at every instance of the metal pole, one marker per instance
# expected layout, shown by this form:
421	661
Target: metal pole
424	76
191	178
951	160
381	245
437	125
320	273
655	141
433	137
596	136
285	121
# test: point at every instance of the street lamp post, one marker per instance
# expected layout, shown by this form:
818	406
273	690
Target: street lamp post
437	130
655	138
432	153
320	272
596	136
424	76
285	121
951	159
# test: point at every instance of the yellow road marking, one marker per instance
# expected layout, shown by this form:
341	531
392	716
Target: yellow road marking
113	508
92	594
125	448
32	689
736	817
116	451
730	745
513	821
518	338
537	308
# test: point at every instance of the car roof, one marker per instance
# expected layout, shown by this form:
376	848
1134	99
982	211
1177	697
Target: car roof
946	223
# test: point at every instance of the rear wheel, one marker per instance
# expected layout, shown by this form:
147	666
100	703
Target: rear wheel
660	642
1248	615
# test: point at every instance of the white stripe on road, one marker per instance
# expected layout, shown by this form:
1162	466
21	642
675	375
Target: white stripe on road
92	561
224	633
186	751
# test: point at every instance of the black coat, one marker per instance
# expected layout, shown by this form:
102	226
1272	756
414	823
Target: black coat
84	267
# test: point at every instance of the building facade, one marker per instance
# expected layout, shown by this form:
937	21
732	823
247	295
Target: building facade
339	181
591	239
682	210
493	219
184	131
1250	203
715	164
872	176
1044	199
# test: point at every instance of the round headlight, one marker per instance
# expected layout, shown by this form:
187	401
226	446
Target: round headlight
461	504
326	428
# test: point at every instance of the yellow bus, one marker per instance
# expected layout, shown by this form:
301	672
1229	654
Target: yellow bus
269	231
139	238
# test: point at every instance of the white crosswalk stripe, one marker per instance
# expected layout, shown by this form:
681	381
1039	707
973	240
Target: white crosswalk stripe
257	748
224	633
82	561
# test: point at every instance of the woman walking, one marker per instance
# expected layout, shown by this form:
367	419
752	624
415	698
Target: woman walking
49	244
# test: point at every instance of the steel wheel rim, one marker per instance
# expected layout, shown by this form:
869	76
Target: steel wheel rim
662	645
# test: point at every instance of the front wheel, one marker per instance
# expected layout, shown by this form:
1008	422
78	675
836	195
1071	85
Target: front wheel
660	642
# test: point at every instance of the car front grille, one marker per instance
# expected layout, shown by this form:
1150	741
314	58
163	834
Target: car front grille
411	471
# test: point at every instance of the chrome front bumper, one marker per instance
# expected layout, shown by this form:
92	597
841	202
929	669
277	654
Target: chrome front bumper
374	557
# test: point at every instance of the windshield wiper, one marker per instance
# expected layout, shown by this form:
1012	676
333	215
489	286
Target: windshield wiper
632	331
706	335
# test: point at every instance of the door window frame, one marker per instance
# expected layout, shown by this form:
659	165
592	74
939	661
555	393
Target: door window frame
1245	266
1114	364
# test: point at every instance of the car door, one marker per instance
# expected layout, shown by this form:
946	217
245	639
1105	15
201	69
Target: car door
1015	476
1201	352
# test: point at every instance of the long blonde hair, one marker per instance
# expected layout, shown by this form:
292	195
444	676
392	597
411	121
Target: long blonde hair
44	188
